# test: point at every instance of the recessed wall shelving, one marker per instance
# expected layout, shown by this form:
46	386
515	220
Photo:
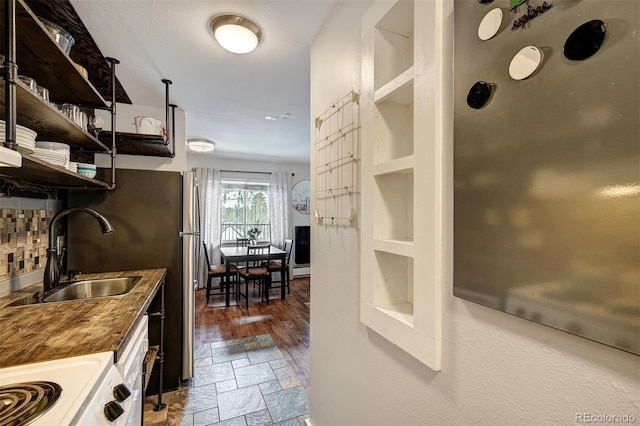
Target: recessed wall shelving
393	206
400	287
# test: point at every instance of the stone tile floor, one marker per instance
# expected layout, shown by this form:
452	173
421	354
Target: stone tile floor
241	382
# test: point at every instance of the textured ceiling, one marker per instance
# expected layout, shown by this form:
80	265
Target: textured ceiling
225	96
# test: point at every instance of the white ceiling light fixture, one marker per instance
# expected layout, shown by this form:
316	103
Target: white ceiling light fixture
201	145
9	157
235	33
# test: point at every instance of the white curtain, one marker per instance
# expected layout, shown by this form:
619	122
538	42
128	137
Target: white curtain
279	207
210	190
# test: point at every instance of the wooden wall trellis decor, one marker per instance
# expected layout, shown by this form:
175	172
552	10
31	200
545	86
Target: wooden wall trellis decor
337	158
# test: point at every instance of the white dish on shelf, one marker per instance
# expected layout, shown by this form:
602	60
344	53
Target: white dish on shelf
25	138
55	163
54	157
62	158
54	146
25	149
19	130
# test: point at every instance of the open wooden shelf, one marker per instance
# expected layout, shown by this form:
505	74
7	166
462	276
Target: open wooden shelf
41	58
38	56
138	144
400	311
40	172
84	52
399	90
399	247
150	362
398	165
47	121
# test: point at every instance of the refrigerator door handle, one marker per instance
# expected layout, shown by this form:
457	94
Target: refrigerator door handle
184	234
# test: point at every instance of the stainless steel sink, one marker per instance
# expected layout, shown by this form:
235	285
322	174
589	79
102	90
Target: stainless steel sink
85	289
90	289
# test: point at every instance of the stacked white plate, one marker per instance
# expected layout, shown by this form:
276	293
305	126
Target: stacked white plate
54	157
57	147
25	138
73	166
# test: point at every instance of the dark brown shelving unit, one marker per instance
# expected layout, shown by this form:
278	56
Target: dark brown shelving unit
85	52
40	57
138	144
48	122
40	172
37	55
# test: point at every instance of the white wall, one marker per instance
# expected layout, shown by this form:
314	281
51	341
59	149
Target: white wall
496	369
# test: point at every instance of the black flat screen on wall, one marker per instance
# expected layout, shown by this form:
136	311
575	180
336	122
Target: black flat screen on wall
302	245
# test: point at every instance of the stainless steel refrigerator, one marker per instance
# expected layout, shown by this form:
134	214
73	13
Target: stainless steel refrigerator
149	210
190	235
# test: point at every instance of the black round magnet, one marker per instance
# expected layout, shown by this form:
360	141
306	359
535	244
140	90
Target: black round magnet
479	95
585	40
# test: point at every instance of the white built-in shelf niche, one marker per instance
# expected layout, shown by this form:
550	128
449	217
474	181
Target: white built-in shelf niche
401	178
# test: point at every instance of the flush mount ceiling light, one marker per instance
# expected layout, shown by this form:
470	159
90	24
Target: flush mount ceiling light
201	145
235	33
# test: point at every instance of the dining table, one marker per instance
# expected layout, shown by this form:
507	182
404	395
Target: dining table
234	254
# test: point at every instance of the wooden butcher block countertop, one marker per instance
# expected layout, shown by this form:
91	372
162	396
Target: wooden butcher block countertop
47	331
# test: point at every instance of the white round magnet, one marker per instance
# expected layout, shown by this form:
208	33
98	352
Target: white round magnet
490	24
525	63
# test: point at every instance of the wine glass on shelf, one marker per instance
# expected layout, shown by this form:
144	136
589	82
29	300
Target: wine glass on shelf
96	123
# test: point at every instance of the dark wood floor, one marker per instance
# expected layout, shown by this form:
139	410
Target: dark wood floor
287	321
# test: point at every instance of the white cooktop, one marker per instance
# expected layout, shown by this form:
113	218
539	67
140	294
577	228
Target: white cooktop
78	377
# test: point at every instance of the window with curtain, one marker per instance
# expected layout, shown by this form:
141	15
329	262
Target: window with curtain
245	206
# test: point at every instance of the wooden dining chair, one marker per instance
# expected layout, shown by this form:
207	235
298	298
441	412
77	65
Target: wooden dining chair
242	242
255	270
218	271
276	266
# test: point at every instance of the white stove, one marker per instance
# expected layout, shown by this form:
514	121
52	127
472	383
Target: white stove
86	383
82	390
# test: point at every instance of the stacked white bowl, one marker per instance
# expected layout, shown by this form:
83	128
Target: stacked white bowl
25	138
53	152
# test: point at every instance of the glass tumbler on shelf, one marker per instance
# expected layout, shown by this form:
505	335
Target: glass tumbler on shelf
72	112
29	82
83	121
44	93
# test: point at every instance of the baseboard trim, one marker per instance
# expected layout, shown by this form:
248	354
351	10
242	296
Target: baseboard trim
301	271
